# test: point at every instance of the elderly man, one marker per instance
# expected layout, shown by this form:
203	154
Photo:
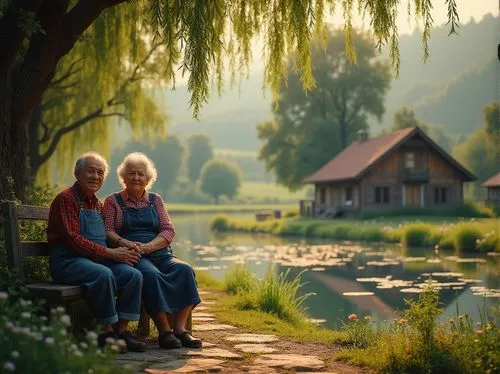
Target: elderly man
81	257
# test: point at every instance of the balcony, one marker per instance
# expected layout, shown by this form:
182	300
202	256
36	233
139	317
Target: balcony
414	176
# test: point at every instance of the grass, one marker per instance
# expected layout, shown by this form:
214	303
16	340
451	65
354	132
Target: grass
474	235
175	208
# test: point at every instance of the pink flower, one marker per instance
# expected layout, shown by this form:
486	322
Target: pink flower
479	332
353	317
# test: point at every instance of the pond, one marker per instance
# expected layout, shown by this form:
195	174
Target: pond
346	277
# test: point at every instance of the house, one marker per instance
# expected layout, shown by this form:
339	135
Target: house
402	169
493	187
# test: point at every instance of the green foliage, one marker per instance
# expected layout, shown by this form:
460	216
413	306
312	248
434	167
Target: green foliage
220	178
419	343
467	238
359	331
219	223
310	128
200	151
417	235
239	281
30	343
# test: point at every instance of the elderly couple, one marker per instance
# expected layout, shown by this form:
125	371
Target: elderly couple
122	248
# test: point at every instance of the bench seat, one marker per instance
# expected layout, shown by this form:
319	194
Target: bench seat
55	291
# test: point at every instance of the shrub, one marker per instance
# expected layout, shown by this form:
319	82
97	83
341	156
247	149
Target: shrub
466	237
416	235
359	331
239	280
30	343
289	213
220	223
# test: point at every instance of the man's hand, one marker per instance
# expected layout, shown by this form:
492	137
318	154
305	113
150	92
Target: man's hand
124	255
128	244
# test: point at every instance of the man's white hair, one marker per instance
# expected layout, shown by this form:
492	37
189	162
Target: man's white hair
137	158
82	161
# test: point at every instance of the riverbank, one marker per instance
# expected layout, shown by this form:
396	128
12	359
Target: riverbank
177	209
468	235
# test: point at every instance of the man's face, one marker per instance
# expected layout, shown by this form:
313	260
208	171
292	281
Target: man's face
91	177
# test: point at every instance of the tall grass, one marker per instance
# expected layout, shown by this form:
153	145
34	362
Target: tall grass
464	235
418	343
275	294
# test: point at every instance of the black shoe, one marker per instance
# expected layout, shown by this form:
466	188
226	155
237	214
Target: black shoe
133	345
189	340
167	340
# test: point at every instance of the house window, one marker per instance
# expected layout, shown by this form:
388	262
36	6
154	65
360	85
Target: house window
440	195
410	160
382	195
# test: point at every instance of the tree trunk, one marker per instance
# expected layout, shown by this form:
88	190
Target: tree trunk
34	144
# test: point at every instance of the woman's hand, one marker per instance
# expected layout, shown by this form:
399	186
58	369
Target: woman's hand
128	244
146	248
124	255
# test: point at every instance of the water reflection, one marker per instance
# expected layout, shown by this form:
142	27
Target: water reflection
346	278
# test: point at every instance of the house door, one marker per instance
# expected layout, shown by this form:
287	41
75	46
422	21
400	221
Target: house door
412	194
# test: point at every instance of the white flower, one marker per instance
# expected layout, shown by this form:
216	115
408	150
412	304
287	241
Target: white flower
15	354
78	353
26	315
91	335
25	302
43	318
115	348
9	325
26	331
121	343
44	329
84	345
3	296
90	371
110	340
63	332
49	340
60	309
16	329
66	320
74	347
9	366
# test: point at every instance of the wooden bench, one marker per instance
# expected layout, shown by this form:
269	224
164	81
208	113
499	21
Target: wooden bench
54	294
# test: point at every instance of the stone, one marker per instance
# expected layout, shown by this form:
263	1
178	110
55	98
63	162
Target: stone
252	338
201	314
203	319
188	365
151	354
201	308
290	362
254	348
213	326
214	353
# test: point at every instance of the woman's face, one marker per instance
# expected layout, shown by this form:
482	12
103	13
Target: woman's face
135	178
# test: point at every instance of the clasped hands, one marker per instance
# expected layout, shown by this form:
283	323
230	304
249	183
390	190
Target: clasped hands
129	252
138	247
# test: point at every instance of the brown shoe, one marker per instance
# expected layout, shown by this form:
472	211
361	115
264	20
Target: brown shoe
189	340
133	345
167	340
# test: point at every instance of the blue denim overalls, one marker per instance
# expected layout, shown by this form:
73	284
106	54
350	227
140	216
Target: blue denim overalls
103	280
169	284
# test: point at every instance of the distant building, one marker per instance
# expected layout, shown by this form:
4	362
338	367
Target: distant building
493	187
402	169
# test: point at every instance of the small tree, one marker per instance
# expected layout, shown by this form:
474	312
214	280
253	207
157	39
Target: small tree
219	178
200	151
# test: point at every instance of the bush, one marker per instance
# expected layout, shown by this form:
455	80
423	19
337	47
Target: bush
30	343
416	235
466	238
359	331
220	223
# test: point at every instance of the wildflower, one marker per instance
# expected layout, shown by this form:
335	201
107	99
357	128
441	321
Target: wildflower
479	332
63	332
3	296
489	327
84	345
66	320
78	353
26	315
60	309
49	340
15	354
9	325
121	343
110	340
25	302
402	321
43	318
9	366
353	317
367	318
115	348
90	371
91	335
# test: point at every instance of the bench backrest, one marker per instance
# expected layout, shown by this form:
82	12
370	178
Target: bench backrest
16	249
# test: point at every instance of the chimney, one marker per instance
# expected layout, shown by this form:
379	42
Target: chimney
362	136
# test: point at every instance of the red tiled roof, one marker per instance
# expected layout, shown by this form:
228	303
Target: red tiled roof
494	181
349	163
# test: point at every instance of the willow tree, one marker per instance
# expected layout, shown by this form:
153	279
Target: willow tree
200	35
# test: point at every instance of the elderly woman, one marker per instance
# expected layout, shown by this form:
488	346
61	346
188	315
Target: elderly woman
137	219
